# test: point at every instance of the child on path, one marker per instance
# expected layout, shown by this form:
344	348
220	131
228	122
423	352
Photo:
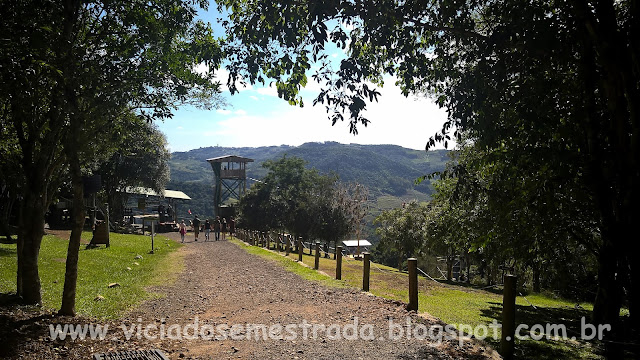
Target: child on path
183	230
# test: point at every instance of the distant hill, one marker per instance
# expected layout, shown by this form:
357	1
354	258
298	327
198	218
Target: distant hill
388	171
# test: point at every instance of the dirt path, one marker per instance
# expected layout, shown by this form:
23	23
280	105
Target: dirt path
224	287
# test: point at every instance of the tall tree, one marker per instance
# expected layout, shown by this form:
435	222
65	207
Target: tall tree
30	96
557	80
71	68
403	229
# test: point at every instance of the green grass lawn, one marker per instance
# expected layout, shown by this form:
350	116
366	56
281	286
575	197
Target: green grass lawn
97	268
458	305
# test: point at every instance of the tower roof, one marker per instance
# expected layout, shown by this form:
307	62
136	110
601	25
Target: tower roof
230	158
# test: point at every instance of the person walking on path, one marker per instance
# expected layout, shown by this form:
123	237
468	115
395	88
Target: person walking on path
207	230
183	230
196	227
232	227
216	228
224	228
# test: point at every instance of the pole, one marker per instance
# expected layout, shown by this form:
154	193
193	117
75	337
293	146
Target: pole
507	343
152	235
413	284
339	262
107	221
300	249
366	272
317	263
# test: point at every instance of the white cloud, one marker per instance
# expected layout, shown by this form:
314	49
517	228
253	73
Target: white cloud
407	122
179	128
394	119
269	91
254	97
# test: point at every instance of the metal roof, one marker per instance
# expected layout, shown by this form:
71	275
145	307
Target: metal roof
354	243
172	194
230	158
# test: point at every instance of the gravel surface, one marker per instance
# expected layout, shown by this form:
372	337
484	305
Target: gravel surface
224	291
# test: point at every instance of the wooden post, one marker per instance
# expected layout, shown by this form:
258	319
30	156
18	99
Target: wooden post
507	342
106	221
366	270
339	262
317	263
300	249
152	235
413	284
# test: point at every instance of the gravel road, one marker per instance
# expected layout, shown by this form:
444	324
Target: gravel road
245	307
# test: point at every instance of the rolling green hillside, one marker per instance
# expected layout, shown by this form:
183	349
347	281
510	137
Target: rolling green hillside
388	171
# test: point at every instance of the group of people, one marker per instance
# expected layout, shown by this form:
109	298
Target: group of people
218	226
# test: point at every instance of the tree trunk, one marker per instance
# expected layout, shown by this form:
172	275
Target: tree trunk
20	266
71	269
606	308
611	63
634	295
30	238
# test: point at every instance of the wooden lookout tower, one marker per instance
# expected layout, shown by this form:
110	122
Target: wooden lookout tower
230	179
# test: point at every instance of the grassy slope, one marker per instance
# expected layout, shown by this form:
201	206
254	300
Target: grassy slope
457	305
97	268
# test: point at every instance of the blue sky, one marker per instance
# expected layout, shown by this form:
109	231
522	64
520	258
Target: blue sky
257	117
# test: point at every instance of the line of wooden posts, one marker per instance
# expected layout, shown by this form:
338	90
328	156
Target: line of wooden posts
263	239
